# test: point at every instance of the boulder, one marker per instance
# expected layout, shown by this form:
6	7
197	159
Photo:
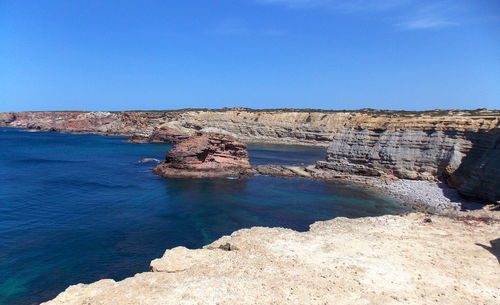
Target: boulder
149	160
206	154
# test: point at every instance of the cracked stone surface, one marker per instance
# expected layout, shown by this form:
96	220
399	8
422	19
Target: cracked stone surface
412	259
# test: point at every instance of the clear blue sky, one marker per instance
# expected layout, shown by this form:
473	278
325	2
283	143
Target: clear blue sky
118	55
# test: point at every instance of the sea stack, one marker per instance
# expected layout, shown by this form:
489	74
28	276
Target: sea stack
212	152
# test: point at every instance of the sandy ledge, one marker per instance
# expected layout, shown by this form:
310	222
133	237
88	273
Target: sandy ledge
411	259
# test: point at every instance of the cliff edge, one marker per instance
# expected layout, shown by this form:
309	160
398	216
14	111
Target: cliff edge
458	147
412	259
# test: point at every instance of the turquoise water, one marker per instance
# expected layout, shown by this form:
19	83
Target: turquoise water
79	208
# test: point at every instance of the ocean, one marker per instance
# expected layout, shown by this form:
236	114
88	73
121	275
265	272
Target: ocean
79	208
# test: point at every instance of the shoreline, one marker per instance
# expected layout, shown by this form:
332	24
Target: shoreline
458	145
130	138
397	189
410	259
180	264
413	194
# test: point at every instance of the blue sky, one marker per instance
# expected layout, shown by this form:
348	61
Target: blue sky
331	54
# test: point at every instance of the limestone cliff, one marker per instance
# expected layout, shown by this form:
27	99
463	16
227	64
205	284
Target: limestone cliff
288	126
458	146
463	151
478	174
389	260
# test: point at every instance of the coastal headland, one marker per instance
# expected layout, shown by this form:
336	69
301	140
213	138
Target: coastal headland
427	159
412	259
460	148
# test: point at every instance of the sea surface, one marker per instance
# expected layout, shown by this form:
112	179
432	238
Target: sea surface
79	208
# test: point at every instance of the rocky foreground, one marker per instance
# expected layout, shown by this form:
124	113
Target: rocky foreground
412	259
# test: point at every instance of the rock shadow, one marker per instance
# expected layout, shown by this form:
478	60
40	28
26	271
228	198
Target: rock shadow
478	175
494	249
454	196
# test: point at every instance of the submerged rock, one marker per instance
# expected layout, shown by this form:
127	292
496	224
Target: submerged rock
149	160
207	154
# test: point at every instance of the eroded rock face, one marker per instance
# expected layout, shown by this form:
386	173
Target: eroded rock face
478	174
206	154
171	132
465	155
410	154
277	126
412	259
125	123
455	146
6	118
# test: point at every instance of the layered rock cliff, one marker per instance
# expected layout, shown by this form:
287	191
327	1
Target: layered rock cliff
462	151
460	147
315	127
126	123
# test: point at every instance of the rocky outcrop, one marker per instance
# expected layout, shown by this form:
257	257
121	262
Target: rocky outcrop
460	147
6	118
403	153
210	153
277	170
413	259
126	123
171	132
477	174
287	126
149	160
272	126
422	148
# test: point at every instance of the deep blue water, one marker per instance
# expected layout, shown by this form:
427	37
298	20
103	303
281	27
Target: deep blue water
79	208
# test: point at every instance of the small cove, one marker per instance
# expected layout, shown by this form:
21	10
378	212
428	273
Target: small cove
79	208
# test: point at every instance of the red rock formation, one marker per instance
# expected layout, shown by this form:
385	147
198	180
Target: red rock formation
170	133
205	155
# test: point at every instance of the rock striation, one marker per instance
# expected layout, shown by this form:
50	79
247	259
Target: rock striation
412	259
464	153
125	123
171	132
210	153
285	126
459	147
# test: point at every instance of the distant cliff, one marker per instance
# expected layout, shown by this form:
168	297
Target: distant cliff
464	151
460	147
